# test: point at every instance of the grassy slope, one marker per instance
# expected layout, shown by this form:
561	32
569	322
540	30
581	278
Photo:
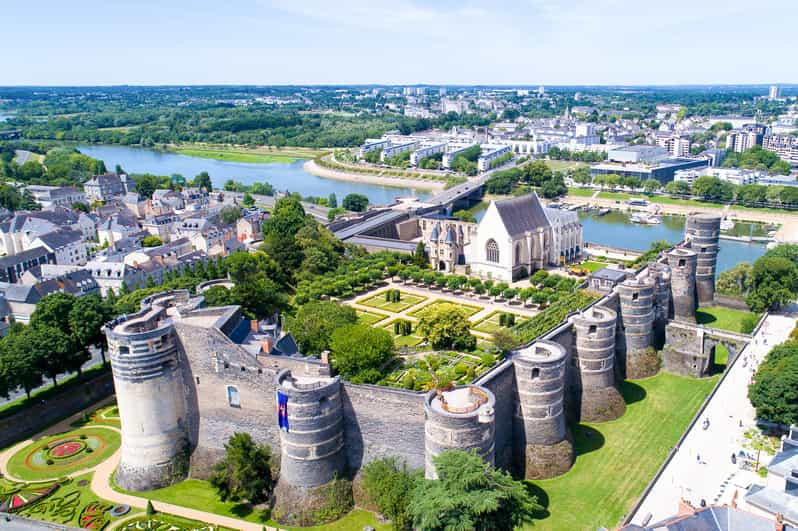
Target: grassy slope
722	318
581	192
617	459
197	494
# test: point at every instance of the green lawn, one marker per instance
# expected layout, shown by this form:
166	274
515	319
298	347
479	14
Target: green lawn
468	308
592	265
406	301
370	318
404	341
490	323
616	460
665	200
563	165
581	192
30	463
724	318
200	495
234	156
614	195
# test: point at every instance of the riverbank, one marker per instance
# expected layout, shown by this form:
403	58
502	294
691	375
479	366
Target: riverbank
258	155
371	178
788	232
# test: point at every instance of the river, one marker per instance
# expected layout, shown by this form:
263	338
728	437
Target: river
283	176
616	230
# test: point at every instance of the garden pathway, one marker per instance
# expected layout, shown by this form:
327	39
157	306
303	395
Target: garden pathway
101	486
60	427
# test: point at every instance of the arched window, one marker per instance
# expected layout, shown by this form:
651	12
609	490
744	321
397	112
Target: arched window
517	253
492	251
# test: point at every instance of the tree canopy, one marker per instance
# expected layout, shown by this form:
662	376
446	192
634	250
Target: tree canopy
774	393
315	322
359	352
446	326
470	494
245	473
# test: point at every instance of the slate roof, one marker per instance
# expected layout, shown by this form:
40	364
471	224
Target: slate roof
607	273
522	214
774	501
24	256
711	519
60	238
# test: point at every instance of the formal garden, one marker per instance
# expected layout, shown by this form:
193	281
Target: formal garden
60	455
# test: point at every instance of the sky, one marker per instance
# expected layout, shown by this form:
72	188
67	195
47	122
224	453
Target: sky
496	42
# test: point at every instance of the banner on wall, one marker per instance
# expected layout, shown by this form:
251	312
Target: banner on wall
282	411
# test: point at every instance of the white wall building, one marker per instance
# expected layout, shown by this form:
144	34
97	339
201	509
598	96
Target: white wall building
491	152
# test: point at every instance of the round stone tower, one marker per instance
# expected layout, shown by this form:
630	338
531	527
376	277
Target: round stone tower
543	447
595	347
637	317
702	232
683	267
460	419
311	418
150	394
661	274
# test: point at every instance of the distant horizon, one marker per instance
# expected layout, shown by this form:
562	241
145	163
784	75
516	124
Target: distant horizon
354	42
415	85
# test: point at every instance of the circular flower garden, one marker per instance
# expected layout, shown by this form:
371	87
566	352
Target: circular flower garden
63	454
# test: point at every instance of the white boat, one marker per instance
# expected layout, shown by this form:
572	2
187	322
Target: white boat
645	219
726	224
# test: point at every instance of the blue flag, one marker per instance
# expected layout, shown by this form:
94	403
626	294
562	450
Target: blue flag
282	411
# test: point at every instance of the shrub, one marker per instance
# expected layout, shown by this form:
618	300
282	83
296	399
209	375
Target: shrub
49	461
389	485
150	510
89	449
748	323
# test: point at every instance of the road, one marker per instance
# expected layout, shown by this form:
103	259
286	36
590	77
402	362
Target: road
702	467
317	211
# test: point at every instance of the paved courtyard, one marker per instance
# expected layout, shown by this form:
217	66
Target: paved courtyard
702	467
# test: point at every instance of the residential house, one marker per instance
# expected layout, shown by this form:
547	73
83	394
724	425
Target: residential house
12	267
68	246
108	186
52	196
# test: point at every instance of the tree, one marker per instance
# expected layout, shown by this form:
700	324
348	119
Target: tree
151	241
504	340
53	310
651	185
735	281
19	361
245	473
389	484
678	188
279	234
420	255
774	393
86	318
229	214
332	201
554	187
774	282
203	180
356	202
247	200
359	352
314	323
57	351
217	296
446	326
470	494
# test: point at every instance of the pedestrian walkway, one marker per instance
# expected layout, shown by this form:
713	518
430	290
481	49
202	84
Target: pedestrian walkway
702	468
101	486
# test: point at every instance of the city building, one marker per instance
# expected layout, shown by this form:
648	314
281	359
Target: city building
742	139
426	149
678	146
779	497
774	92
736	176
52	196
785	146
520	235
491	152
12	267
108	186
643	154
394	148
452	150
663	171
67	245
